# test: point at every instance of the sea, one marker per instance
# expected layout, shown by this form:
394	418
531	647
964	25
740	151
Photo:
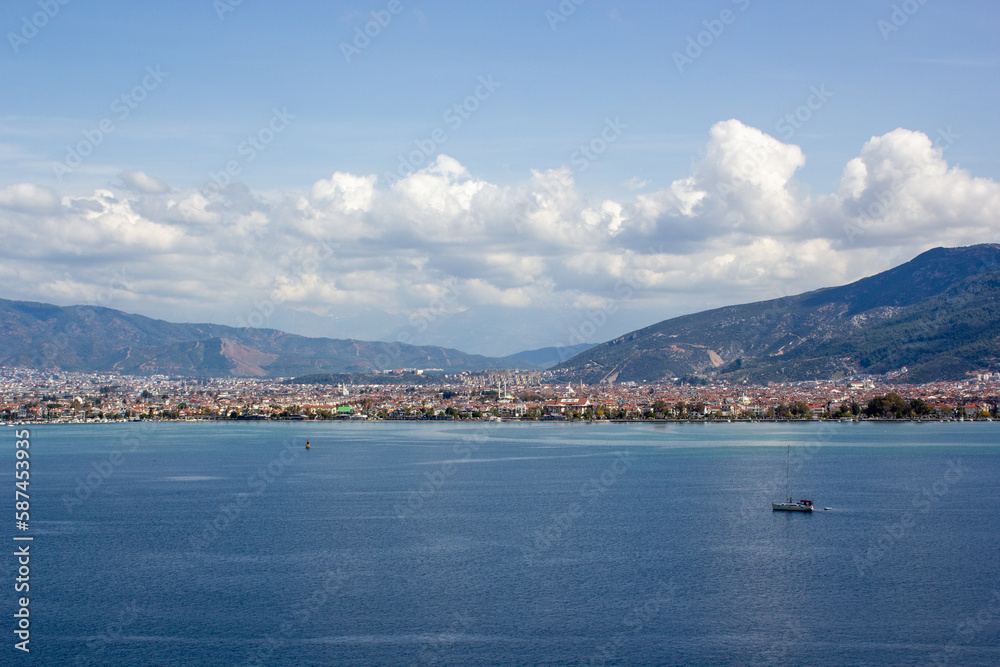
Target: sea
454	543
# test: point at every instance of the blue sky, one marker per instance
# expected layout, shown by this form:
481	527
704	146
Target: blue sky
438	254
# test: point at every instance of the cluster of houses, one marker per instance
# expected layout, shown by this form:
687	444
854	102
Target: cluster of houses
29	395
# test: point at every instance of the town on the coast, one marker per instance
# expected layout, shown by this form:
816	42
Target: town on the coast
47	396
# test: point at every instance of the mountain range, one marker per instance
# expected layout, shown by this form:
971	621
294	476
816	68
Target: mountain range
936	316
87	339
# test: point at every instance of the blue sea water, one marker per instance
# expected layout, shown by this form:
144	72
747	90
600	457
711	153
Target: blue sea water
509	544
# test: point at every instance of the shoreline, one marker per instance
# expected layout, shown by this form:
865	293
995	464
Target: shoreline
494	421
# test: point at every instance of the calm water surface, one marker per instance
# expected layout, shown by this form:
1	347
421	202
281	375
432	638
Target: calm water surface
202	544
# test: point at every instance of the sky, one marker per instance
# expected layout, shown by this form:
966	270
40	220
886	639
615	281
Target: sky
488	176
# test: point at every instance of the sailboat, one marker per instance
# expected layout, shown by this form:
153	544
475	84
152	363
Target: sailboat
791	505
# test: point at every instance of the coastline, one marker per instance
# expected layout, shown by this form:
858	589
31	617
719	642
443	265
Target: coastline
238	420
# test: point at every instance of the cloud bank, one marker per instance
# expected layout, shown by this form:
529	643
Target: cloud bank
738	227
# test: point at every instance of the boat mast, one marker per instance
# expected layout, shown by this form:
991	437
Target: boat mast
788	456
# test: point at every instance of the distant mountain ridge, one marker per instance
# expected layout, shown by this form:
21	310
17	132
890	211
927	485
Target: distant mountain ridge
937	315
547	357
88	339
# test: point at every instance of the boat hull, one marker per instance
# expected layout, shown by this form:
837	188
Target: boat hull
791	507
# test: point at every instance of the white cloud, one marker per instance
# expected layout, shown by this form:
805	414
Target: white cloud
437	202
678	199
194	208
737	228
902	186
635	183
345	192
143	182
28	198
744	182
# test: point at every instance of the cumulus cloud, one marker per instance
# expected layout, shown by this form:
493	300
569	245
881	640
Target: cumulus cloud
901	184
194	208
738	227
345	192
743	183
